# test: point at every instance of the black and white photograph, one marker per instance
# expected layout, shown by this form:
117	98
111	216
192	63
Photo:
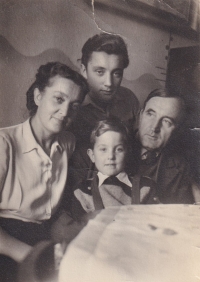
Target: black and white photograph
99	140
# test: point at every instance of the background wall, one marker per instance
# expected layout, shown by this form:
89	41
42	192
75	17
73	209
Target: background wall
33	32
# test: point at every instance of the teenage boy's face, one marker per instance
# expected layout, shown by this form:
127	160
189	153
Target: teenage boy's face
104	74
109	153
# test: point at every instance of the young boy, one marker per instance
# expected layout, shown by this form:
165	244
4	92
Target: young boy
109	185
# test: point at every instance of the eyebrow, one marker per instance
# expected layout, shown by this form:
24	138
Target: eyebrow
172	119
60	92
120	144
99	67
150	110
102	68
64	94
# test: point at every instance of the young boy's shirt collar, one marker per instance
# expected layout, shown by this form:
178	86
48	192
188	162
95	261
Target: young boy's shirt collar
122	176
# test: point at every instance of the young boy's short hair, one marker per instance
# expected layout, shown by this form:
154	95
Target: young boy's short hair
110	124
104	42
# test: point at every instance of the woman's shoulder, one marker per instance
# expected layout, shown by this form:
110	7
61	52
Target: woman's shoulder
11	132
11	137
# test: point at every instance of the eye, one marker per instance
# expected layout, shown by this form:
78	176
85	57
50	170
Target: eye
102	149
99	72
59	100
120	149
118	74
167	122
149	114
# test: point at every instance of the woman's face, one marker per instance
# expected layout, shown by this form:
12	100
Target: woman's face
57	104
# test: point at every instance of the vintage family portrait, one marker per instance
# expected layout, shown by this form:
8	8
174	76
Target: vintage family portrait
99	140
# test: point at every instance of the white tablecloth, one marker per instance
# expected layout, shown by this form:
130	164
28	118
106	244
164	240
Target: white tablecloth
141	243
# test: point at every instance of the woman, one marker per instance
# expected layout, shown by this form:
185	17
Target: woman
34	159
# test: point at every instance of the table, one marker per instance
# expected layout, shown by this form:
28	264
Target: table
154	243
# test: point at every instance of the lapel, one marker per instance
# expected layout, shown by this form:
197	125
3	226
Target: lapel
98	204
168	170
136	189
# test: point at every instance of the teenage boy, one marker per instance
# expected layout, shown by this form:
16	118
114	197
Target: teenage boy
104	58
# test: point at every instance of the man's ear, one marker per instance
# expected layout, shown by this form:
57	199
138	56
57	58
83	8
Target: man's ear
91	155
140	114
141	111
37	96
83	71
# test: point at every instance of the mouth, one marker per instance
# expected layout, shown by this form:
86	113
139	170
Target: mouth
152	137
59	119
107	92
110	165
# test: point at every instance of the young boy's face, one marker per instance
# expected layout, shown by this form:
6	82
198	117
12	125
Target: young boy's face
109	153
104	74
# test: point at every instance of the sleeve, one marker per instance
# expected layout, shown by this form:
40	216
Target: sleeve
133	107
175	183
4	161
185	192
69	201
134	100
81	201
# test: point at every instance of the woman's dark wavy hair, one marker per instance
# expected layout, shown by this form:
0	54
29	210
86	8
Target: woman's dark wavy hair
109	124
104	42
42	80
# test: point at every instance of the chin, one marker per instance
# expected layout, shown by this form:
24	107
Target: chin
150	146
113	173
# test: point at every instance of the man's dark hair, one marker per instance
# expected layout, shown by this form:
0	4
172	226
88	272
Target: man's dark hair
42	79
104	42
164	93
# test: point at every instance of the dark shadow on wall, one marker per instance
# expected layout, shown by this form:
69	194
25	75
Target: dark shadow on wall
142	86
17	73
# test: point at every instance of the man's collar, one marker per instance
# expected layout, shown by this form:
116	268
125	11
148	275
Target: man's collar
89	101
145	153
29	140
122	176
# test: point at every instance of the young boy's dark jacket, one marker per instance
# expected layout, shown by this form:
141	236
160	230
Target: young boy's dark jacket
88	196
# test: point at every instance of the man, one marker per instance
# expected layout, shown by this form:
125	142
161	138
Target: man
104	58
160	155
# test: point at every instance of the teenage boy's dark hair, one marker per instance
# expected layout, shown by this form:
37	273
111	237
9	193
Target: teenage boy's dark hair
103	42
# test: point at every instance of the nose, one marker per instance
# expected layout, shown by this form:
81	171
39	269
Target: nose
108	80
111	155
156	125
64	109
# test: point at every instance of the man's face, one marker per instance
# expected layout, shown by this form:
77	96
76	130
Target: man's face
157	122
104	74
